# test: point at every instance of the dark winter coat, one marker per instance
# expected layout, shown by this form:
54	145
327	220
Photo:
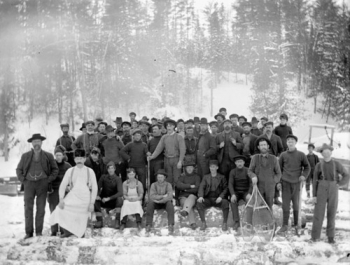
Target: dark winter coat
252	143
62	168
204	187
184	184
239	181
110	150
110	186
206	145
276	147
152	145
48	164
87	142
66	141
98	167
126	139
233	150
136	152
282	131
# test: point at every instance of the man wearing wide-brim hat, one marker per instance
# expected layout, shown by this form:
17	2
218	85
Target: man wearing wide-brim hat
328	177
188	185
36	169
174	149
88	140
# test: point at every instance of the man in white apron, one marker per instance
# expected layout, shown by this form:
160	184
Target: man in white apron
75	207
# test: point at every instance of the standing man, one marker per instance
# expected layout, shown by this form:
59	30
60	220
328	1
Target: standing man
110	149
101	128
136	154
88	140
158	162
132	116
230	144
127	137
36	169
95	162
220	119
313	161
214	128
276	147
67	141
145	125
196	126
174	149
191	145
248	142
264	170
235	126
241	119
206	149
118	122
181	127
283	130
213	192
328	177
223	112
295	168
154	121
53	196
255	130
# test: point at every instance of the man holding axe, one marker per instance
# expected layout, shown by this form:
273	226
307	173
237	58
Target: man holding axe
295	168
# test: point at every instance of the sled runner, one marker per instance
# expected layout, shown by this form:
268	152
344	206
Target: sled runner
257	219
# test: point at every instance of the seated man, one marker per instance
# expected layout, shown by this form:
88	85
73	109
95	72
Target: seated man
188	185
240	187
161	196
109	195
212	192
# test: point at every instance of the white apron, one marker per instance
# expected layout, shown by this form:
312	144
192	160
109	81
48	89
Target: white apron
128	207
74	216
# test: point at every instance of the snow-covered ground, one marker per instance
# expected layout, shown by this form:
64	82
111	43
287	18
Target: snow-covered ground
109	246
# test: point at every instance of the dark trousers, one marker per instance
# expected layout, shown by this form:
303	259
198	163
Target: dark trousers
290	193
309	180
138	219
170	165
202	165
122	169
225	167
168	206
327	194
53	200
34	189
155	165
267	191
234	205
70	157
208	202
117	203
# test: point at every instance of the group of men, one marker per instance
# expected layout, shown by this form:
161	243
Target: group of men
207	164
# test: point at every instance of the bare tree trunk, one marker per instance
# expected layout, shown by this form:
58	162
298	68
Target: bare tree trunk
6	143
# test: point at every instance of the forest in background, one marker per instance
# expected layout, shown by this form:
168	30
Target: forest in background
86	58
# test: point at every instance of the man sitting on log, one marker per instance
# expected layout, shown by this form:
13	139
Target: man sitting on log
212	192
240	187
188	185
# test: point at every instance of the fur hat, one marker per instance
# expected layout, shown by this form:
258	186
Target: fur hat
79	153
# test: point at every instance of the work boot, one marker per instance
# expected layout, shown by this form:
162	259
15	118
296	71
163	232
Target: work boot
28	236
122	226
283	229
171	229
183	213
98	223
194	226
139	227
148	228
224	227
308	194
203	226
277	202
331	240
236	225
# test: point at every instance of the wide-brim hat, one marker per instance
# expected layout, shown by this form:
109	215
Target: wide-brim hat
204	121
219	115
144	118
126	122
254	120
324	147
83	126
233	116
292	136
239	157
118	120
36	136
154	119
79	153
169	121
90	122
260	139
264	118
161	172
